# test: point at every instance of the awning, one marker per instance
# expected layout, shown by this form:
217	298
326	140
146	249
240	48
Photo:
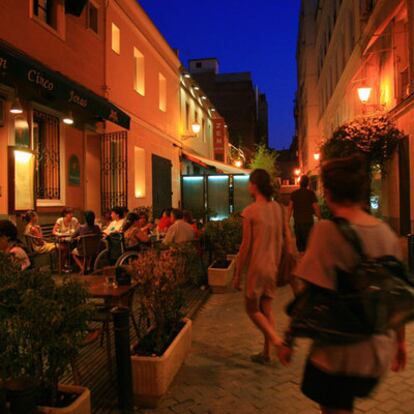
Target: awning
221	167
34	81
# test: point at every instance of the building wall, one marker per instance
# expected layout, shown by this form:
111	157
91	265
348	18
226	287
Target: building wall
200	111
71	47
344	45
152	129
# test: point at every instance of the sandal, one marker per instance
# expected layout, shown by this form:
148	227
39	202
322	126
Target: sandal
260	358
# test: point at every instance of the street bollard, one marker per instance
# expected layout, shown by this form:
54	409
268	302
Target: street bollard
123	359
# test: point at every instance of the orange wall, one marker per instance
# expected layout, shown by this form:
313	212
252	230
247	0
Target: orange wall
158	57
79	48
75	195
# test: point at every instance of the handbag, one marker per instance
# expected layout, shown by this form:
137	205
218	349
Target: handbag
287	260
375	297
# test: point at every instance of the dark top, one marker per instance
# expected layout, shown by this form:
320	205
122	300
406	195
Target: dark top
302	200
85	229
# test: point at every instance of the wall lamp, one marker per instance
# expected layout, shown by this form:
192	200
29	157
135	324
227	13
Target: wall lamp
196	128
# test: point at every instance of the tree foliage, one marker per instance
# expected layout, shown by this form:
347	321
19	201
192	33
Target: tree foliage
266	159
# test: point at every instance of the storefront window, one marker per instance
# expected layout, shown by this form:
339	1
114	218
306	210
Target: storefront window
47	148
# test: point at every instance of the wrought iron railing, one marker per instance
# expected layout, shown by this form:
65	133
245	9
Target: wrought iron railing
114	170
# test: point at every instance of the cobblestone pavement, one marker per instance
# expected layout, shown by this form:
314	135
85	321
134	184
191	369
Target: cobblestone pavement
218	377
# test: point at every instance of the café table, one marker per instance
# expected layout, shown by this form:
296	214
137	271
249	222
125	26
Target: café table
62	241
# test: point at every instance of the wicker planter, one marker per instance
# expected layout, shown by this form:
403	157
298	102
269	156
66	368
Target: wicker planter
219	278
82	405
152	376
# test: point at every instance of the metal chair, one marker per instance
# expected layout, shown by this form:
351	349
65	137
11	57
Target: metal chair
115	249
38	259
88	249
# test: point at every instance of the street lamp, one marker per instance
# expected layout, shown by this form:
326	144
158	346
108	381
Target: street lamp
68	118
238	163
364	94
317	156
297	172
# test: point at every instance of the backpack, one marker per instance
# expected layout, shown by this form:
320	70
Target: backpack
375	297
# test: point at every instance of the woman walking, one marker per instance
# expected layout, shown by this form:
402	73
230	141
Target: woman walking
336	374
260	252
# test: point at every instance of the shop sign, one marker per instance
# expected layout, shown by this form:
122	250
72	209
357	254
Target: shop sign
78	100
36	77
219	136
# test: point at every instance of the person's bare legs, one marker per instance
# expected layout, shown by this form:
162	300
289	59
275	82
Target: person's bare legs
267	309
78	262
261	321
325	410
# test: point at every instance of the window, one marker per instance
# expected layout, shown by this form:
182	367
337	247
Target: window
93	17
116	39
114	170
139	72
162	83
187	116
45	10
46	144
203	129
139	168
199	65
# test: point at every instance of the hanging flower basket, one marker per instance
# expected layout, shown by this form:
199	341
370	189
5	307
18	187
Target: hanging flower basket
375	137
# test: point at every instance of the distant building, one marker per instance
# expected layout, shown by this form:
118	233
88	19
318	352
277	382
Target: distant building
238	101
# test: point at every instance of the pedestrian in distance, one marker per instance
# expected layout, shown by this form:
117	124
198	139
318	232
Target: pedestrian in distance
304	206
260	253
336	374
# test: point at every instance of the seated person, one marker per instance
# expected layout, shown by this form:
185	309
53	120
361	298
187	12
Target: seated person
35	232
67	224
134	231
165	221
117	217
88	228
9	244
188	218
179	231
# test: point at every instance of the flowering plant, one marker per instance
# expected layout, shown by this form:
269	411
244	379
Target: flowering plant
375	137
160	275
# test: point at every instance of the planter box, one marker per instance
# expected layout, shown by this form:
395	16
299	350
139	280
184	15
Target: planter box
232	257
82	405
219	279
153	375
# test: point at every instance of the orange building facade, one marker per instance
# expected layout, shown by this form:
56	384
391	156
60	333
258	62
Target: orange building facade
344	46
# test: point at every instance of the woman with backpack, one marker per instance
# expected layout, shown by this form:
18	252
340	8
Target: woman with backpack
336	374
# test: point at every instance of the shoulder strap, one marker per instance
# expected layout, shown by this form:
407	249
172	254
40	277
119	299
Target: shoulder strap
350	235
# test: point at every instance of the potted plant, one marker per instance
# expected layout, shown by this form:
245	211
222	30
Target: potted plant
161	351
224	238
46	325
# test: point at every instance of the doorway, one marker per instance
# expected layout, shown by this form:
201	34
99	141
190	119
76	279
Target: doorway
404	179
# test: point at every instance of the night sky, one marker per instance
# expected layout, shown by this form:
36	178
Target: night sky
257	36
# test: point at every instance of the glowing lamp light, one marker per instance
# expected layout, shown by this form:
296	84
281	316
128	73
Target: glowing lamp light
68	119
364	94
196	88
22	157
297	172
204	98
16	108
238	163
196	127
213	110
317	156
187	75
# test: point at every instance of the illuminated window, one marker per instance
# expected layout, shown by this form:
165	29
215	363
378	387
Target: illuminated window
203	129
93	17
139	72
116	39
45	10
162	83
139	168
